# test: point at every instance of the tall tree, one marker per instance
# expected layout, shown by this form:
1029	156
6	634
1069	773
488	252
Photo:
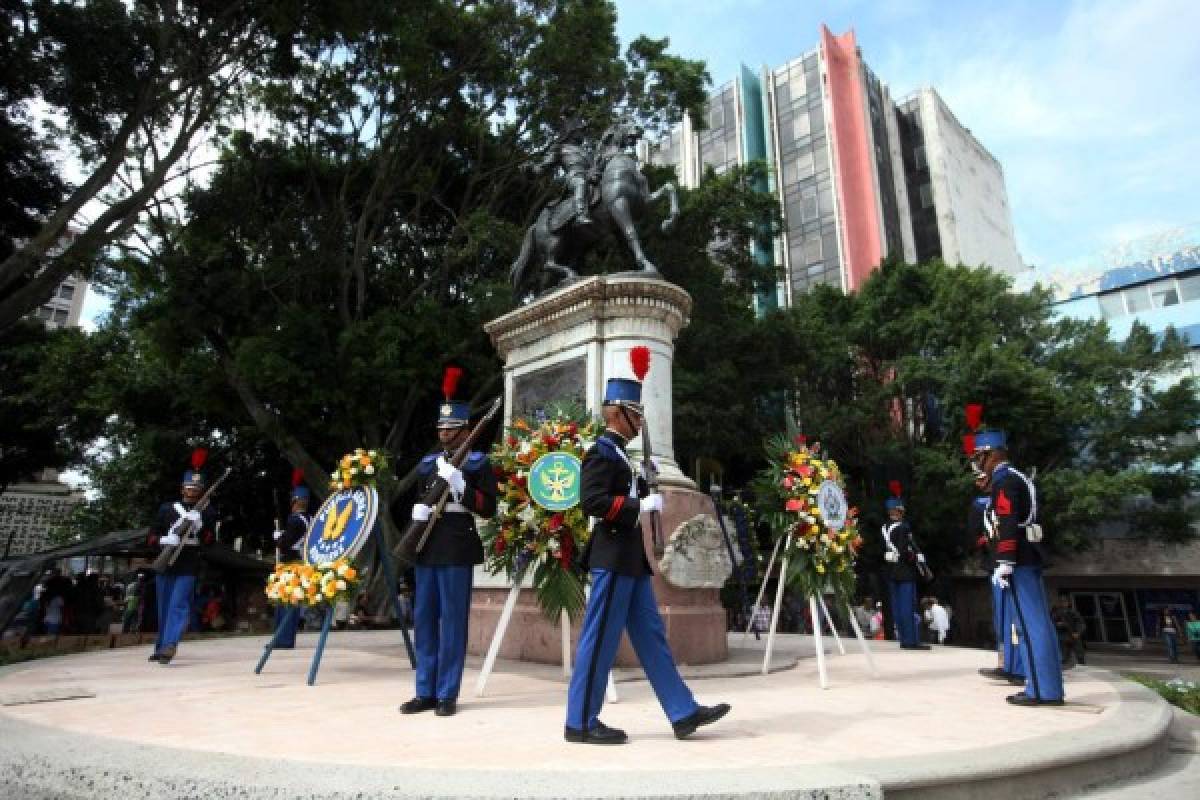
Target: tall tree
124	92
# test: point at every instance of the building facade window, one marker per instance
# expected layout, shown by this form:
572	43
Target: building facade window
1112	305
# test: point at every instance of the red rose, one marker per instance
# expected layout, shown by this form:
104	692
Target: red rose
556	521
566	551
512	441
499	545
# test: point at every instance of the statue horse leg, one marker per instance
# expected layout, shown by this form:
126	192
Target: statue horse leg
621	211
672	192
555	248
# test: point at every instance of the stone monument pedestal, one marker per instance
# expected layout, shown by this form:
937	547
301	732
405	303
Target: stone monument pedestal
564	346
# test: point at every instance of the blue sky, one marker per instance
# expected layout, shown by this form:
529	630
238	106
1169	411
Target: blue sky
1092	108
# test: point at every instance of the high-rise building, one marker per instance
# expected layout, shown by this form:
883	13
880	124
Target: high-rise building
858	177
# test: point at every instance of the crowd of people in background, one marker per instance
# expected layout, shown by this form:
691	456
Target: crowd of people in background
90	603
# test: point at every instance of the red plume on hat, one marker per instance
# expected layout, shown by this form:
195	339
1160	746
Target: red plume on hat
199	456
450	382
969	443
895	488
974	414
297	477
639	360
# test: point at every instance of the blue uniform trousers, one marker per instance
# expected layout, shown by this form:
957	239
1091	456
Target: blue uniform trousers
905	610
174	608
1005	611
442	604
1036	633
894	605
623	603
287	620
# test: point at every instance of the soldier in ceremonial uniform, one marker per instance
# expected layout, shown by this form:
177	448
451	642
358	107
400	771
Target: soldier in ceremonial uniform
444	568
289	546
1012	510
982	536
622	598
179	523
903	555
572	153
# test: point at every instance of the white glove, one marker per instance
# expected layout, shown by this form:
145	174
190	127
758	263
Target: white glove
1001	572
892	556
193	517
920	558
452	475
421	512
170	540
277	535
652	502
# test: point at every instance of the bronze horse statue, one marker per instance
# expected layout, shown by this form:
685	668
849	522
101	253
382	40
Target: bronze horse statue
622	194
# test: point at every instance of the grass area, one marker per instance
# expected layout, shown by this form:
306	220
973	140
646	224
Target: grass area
1177	691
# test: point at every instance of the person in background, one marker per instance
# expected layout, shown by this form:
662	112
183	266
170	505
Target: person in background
939	620
1192	627
1168	628
1069	626
54	615
133	597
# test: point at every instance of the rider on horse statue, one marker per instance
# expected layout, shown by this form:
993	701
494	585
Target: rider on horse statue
571	152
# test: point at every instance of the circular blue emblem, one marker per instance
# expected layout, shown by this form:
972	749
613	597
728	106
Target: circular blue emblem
342	525
554	481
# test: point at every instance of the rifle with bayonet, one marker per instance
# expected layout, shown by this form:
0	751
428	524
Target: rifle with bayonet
185	529
412	540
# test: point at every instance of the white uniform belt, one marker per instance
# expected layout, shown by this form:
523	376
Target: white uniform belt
455	508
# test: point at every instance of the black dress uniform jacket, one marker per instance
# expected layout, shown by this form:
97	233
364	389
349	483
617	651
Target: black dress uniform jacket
901	537
616	543
1010	506
294	531
454	540
188	562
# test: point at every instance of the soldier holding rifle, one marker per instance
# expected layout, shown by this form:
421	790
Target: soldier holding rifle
622	596
445	563
180	525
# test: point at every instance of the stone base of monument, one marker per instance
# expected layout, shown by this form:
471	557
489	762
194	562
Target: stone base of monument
564	346
694	617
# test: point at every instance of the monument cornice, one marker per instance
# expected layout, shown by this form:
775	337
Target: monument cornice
595	298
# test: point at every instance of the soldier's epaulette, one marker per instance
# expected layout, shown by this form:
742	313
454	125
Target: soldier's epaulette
475	461
606	448
427	464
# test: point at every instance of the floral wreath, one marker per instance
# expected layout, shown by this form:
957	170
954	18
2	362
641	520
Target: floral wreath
360	468
820	558
524	535
305	585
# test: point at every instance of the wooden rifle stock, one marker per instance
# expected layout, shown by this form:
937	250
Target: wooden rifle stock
650	471
416	533
170	554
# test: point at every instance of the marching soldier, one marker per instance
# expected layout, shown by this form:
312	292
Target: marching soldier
622	597
445	566
178	523
1012	509
289	546
903	555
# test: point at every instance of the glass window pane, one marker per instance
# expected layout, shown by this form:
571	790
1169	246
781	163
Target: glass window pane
796	83
919	156
800	125
1111	305
1189	288
812	250
1137	299
66	292
1166	296
926	196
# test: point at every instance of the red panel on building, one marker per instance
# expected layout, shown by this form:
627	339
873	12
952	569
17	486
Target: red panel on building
849	135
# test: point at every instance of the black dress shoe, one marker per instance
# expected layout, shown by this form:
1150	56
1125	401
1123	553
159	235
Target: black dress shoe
1016	680
418	704
1023	699
994	672
915	647
446	708
597	734
703	715
153	657
165	656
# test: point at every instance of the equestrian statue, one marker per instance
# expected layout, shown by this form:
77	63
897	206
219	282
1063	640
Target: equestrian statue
606	191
